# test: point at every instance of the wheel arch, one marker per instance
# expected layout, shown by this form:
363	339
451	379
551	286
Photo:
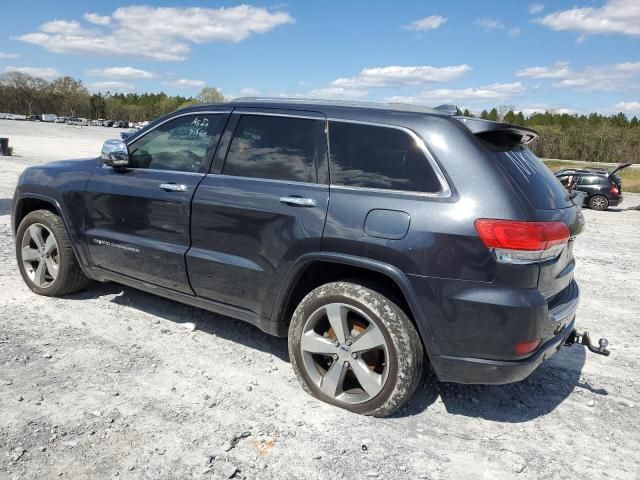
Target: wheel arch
28	202
334	267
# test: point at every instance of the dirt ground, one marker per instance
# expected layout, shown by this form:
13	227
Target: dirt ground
113	382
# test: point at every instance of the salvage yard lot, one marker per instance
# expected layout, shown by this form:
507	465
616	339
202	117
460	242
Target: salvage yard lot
113	381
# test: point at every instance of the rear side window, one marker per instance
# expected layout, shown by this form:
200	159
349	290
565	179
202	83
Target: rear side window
592	181
276	148
536	181
378	157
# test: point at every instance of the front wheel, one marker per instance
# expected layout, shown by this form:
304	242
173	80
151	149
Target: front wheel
354	348
45	256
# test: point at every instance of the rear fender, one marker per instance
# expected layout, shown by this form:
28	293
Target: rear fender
390	271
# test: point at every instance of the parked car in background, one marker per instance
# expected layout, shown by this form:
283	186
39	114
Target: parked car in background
74	121
48	117
127	134
60	120
602	188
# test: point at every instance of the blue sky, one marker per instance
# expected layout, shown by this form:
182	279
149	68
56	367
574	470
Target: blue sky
576	55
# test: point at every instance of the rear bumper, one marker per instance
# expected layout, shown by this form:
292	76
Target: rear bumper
477	370
615	201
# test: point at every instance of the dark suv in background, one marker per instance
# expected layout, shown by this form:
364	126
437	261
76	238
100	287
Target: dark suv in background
603	189
369	234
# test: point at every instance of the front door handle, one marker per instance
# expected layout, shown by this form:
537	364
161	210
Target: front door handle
299	202
173	187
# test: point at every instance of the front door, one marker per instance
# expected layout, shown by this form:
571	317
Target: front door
261	210
139	218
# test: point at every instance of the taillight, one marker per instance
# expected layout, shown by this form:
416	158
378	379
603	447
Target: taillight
522	242
614	190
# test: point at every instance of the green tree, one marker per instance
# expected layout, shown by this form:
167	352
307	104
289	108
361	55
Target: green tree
209	95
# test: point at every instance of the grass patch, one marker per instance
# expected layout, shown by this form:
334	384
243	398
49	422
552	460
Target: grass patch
630	176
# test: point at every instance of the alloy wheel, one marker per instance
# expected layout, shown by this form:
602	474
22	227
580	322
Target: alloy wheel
40	256
345	354
598	203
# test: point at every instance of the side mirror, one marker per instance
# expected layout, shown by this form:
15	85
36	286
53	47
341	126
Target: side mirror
115	154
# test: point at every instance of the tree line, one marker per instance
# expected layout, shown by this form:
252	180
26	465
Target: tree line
591	138
65	96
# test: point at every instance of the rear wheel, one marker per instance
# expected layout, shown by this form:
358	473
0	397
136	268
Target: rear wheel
599	202
45	256
353	347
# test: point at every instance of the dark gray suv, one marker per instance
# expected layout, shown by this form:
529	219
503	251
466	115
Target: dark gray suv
378	238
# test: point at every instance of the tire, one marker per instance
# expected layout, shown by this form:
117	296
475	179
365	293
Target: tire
62	274
598	202
390	372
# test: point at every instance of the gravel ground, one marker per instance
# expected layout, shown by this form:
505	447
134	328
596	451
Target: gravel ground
116	382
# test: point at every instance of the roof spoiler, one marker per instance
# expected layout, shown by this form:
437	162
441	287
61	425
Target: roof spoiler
489	129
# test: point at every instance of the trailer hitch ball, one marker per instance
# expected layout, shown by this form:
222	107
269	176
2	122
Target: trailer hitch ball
583	338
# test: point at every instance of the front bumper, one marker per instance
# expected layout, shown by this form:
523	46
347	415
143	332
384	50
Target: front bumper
477	370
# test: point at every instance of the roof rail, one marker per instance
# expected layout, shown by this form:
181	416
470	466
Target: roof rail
450	109
405	107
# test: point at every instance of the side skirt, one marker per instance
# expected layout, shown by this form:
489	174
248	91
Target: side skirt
273	328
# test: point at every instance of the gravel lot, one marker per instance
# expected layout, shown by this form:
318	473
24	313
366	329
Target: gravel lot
116	382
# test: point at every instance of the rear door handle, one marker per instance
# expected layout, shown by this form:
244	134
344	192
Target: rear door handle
299	202
173	187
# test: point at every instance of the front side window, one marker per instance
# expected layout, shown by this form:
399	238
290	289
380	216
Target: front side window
378	157
180	144
276	148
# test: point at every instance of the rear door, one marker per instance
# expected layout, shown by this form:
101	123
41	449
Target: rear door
263	205
138	217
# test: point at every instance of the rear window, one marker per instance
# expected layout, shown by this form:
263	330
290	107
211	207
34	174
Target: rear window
378	157
536	181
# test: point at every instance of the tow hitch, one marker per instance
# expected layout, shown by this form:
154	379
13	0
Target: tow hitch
583	338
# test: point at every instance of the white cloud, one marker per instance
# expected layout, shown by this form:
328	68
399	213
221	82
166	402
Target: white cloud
557	70
250	92
97	19
185	83
529	110
8	56
63	27
338	93
111	86
617	77
427	23
615	16
121	72
394	75
46	73
628	106
488	24
158	33
514	32
536	8
494	91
